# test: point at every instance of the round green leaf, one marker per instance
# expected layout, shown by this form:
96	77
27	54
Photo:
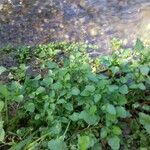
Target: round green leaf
123	89
97	97
90	88
144	70
111	109
112	88
114	142
2	69
88	118
75	91
57	144
121	112
84	142
142	86
30	107
40	90
145	121
103	133
74	116
116	130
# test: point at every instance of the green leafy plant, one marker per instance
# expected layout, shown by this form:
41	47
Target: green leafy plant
75	101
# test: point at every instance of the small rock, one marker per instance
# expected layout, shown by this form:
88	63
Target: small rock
93	32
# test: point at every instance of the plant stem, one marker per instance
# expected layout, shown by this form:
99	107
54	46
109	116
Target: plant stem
66	129
6	109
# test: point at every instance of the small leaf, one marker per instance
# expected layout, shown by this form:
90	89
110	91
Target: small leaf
84	142
103	133
69	106
139	45
19	98
112	88
40	90
106	61
1	105
30	107
90	88
57	144
111	109
75	91
114	69
116	130
96	146
92	77
146	107
142	86
61	101
74	116
4	90
121	99
144	70
57	86
52	65
123	89
85	93
2	69
97	97
47	81
145	121
88	118
2	134
121	112
114	142
93	109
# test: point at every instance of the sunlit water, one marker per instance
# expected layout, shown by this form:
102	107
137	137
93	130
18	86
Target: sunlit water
32	22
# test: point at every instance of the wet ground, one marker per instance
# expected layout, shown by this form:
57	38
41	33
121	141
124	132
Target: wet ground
32	22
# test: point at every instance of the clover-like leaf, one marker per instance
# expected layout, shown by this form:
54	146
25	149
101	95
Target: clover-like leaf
97	97
121	112
2	69
123	89
88	118
75	91
145	121
116	130
144	69
30	107
84	142
57	144
103	132
114	142
111	109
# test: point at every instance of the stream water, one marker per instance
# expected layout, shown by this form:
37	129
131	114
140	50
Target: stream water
32	22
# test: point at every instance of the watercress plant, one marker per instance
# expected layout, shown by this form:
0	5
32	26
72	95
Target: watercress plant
60	98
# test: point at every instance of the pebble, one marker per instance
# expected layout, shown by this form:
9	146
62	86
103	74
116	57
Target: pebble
93	32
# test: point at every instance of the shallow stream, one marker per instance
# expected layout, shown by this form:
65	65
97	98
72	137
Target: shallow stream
33	22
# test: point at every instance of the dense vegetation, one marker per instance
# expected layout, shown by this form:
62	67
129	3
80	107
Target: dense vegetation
58	98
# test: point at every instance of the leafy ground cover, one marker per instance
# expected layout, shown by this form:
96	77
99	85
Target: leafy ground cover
57	97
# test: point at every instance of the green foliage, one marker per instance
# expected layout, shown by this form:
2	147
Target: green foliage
57	144
72	101
2	132
145	121
114	142
84	142
2	69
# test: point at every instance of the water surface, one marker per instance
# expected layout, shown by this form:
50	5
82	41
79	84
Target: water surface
32	22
